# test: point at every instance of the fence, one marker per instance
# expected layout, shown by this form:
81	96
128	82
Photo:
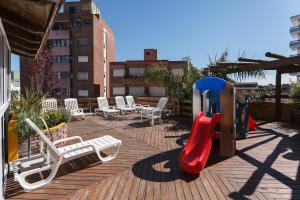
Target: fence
184	108
89	104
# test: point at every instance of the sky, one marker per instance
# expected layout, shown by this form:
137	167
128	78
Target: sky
200	28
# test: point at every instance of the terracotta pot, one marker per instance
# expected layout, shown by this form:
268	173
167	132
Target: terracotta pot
56	133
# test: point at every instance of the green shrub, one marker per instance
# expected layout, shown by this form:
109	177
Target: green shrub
55	117
28	106
295	96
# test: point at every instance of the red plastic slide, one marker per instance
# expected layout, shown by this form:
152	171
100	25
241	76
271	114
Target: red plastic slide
251	124
194	155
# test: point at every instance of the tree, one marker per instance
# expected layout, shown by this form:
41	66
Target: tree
231	70
42	75
176	85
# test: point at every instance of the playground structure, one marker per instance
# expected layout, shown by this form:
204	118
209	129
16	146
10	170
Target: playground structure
214	114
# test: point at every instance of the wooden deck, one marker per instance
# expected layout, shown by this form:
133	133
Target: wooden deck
266	165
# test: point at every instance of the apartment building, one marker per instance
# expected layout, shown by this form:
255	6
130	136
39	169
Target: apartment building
295	44
81	45
126	78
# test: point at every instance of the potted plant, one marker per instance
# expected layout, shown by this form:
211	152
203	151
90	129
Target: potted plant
295	100
29	105
56	123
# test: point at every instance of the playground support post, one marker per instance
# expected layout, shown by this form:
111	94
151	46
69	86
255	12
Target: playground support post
228	130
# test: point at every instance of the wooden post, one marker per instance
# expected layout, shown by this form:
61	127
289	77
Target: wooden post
228	135
278	95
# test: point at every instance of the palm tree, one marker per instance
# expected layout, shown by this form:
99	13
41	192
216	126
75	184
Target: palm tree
176	85
233	70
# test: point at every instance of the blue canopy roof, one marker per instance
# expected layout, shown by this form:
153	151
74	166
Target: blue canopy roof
212	84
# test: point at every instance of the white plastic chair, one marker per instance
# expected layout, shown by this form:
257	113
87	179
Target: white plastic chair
55	157
71	105
152	114
131	103
162	106
121	105
49	104
104	107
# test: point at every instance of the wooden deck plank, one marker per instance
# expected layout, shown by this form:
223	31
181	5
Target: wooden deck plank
278	177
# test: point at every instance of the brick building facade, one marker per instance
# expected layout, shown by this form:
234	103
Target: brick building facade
126	78
81	45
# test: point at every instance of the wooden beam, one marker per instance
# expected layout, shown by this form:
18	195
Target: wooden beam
274	55
53	13
227	64
278	95
21	41
241	59
22	48
22	34
14	20
22	53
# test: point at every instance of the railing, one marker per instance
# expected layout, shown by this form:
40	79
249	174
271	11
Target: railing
295	17
89	104
184	108
294	29
294	43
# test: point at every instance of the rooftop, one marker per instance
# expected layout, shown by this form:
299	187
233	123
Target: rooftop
266	165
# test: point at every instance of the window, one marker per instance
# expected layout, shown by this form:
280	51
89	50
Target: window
87	22
137	91
72	9
178	71
65	92
83	59
82	42
118	72
119	91
60	26
83	76
59	43
77	22
61	75
157	91
60	59
136	72
83	93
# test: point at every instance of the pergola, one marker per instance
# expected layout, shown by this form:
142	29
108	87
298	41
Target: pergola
27	24
281	64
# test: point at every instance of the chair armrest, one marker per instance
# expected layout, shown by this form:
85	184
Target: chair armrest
80	110
67	139
78	148
111	107
146	106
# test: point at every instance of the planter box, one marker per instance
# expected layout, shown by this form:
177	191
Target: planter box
57	132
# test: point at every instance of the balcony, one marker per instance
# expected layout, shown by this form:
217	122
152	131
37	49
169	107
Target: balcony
295	20
295	31
294	45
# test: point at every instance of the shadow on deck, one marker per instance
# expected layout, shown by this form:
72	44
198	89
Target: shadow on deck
266	165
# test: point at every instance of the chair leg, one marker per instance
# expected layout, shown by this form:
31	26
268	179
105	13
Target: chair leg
111	157
21	178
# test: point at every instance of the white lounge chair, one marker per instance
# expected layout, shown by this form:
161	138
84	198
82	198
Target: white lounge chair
71	105
49	104
121	105
152	114
131	103
55	157
104	107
